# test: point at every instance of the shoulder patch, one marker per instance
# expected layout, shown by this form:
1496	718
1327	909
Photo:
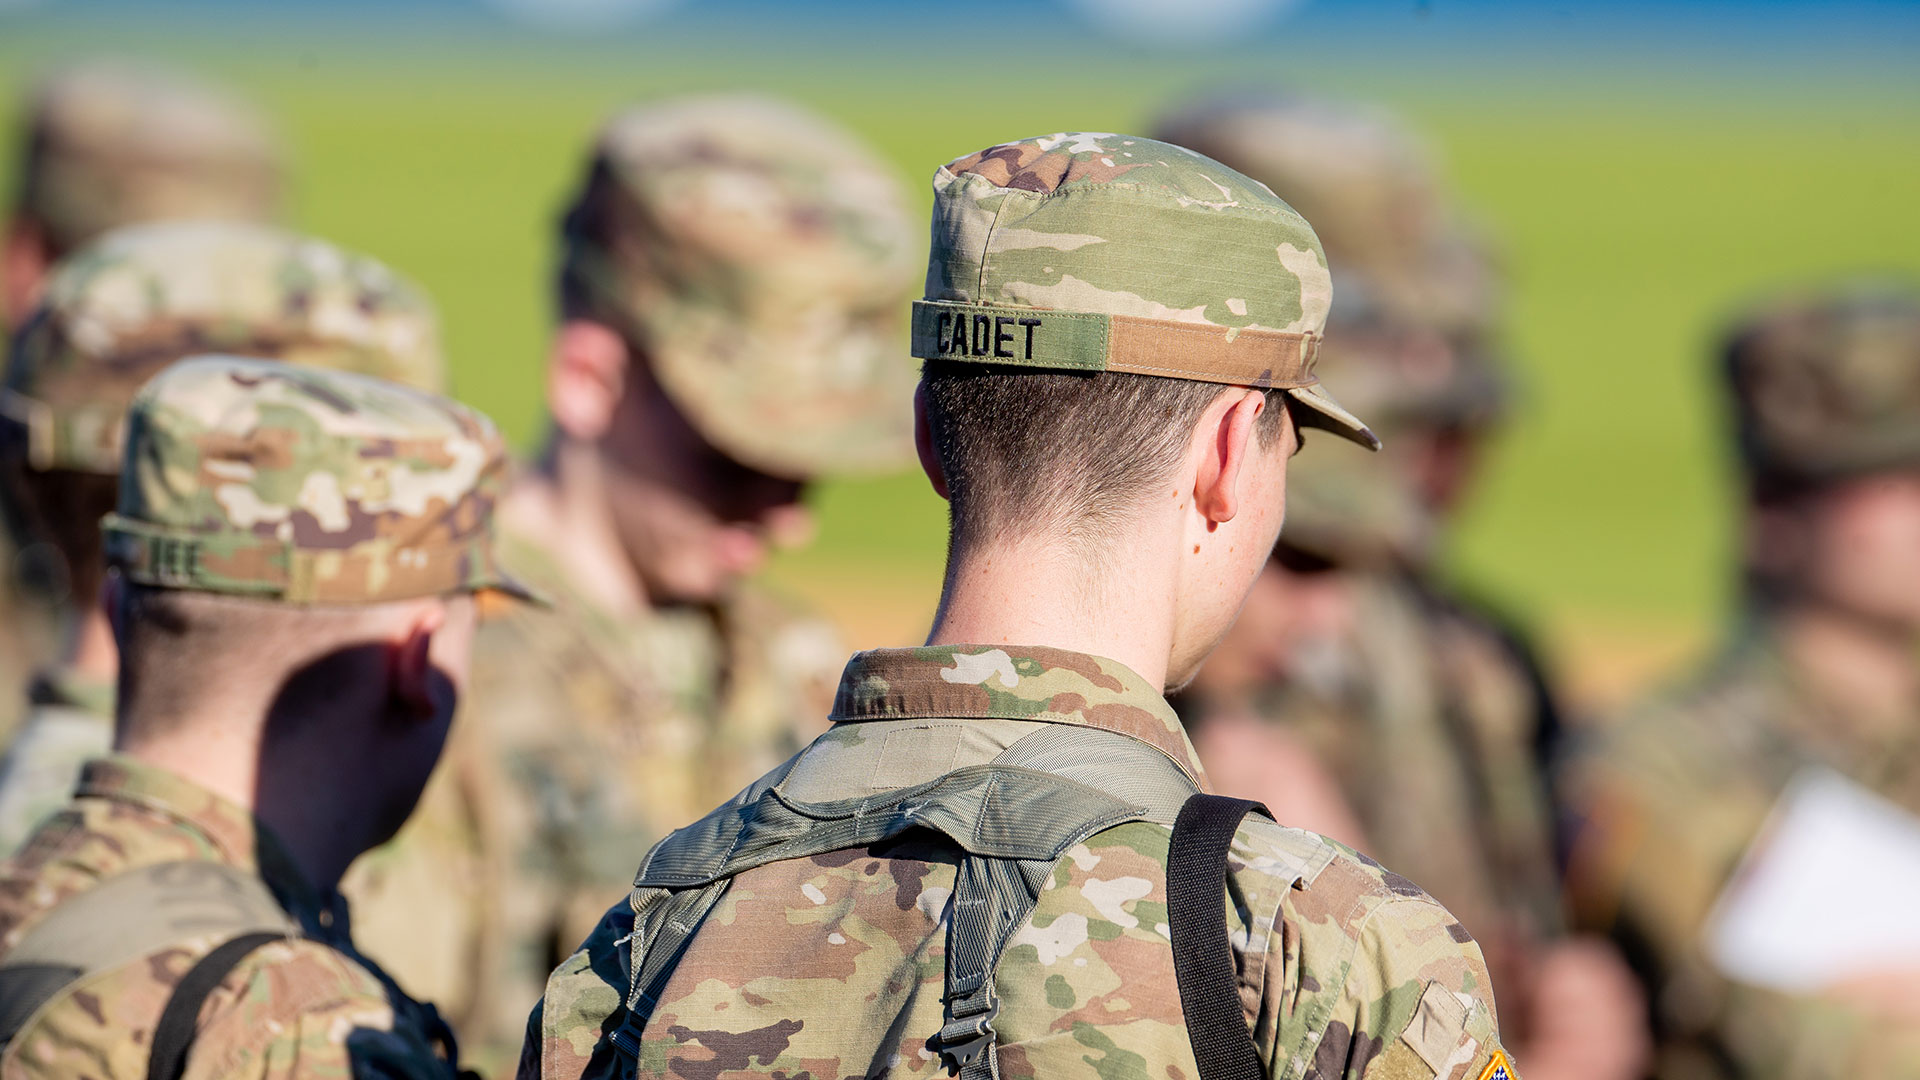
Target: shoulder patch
1498	1068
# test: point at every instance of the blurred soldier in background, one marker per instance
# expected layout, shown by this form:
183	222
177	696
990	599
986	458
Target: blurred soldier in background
295	551
1821	672
1119	338
1358	695
112	315
109	144
731	281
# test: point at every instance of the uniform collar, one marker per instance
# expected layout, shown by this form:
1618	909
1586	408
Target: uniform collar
1012	682
233	835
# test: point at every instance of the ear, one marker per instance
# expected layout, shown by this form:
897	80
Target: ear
410	672
923	443
1223	441
24	260
586	376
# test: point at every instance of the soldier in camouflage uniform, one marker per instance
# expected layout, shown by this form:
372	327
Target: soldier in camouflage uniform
1820	670
1355	676
1119	337
295	554
107	144
115	313
731	281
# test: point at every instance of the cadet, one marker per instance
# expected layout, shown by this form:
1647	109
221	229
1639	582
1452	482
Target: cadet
1821	670
973	869
295	551
732	276
1353	664
108	144
113	315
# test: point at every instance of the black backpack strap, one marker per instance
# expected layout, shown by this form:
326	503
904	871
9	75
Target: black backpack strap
180	1021
1197	920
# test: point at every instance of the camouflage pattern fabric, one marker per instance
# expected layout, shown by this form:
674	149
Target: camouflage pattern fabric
305	486
119	310
757	256
69	721
1667	800
833	965
307	1007
1089	251
1426	716
538	796
1827	384
110	144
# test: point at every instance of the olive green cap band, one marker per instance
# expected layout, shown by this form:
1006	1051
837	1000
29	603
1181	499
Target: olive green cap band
1082	341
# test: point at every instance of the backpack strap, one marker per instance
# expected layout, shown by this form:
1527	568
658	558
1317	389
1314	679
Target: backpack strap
1202	955
125	917
180	1021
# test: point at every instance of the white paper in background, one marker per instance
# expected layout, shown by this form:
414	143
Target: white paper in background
1830	889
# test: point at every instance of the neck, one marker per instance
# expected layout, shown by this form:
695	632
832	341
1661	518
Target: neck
1036	592
561	504
91	652
1864	667
292	790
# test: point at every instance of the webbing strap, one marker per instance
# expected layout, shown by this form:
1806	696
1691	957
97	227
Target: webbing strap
1202	955
179	1022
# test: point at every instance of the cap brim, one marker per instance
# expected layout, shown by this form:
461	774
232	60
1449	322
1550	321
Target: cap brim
494	579
1318	409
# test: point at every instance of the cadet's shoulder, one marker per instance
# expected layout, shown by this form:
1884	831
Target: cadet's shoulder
87	842
1712	725
1334	892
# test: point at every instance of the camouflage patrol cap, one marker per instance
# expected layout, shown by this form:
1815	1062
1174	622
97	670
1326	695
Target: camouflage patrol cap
123	307
757	255
1826	385
302	485
1100	252
111	144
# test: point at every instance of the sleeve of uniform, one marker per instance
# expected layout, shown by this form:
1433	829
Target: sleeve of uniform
567	1027
1368	978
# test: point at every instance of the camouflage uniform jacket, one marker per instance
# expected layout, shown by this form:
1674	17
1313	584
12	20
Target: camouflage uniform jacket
69	721
1428	718
834	965
311	1007
1666	802
584	737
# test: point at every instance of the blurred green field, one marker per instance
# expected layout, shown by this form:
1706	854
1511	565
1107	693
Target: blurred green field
1632	213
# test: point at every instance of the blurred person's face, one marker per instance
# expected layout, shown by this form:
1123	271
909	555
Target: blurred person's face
24	261
1444	461
1853	546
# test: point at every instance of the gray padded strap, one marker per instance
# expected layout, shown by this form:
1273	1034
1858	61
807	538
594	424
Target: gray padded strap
1013	817
124	918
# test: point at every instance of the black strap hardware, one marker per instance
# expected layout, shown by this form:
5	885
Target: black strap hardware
180	1021
1197	920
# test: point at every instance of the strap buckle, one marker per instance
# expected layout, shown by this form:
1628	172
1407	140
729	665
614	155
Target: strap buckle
965	1039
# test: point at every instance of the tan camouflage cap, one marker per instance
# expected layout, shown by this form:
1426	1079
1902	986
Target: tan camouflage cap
111	144
758	256
305	486
122	308
1101	252
1826	384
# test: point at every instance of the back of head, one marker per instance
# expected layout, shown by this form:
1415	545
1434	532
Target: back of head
1087	296
1824	384
111	144
1410	345
124	307
263	505
756	256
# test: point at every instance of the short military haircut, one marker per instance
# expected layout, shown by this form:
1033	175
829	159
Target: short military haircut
1061	454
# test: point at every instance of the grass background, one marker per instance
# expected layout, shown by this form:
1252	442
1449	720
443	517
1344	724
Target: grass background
1636	207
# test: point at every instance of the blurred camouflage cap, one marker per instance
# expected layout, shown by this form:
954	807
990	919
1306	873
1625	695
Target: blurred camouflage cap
111	144
1420	292
120	309
1100	252
305	486
758	256
1826	384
